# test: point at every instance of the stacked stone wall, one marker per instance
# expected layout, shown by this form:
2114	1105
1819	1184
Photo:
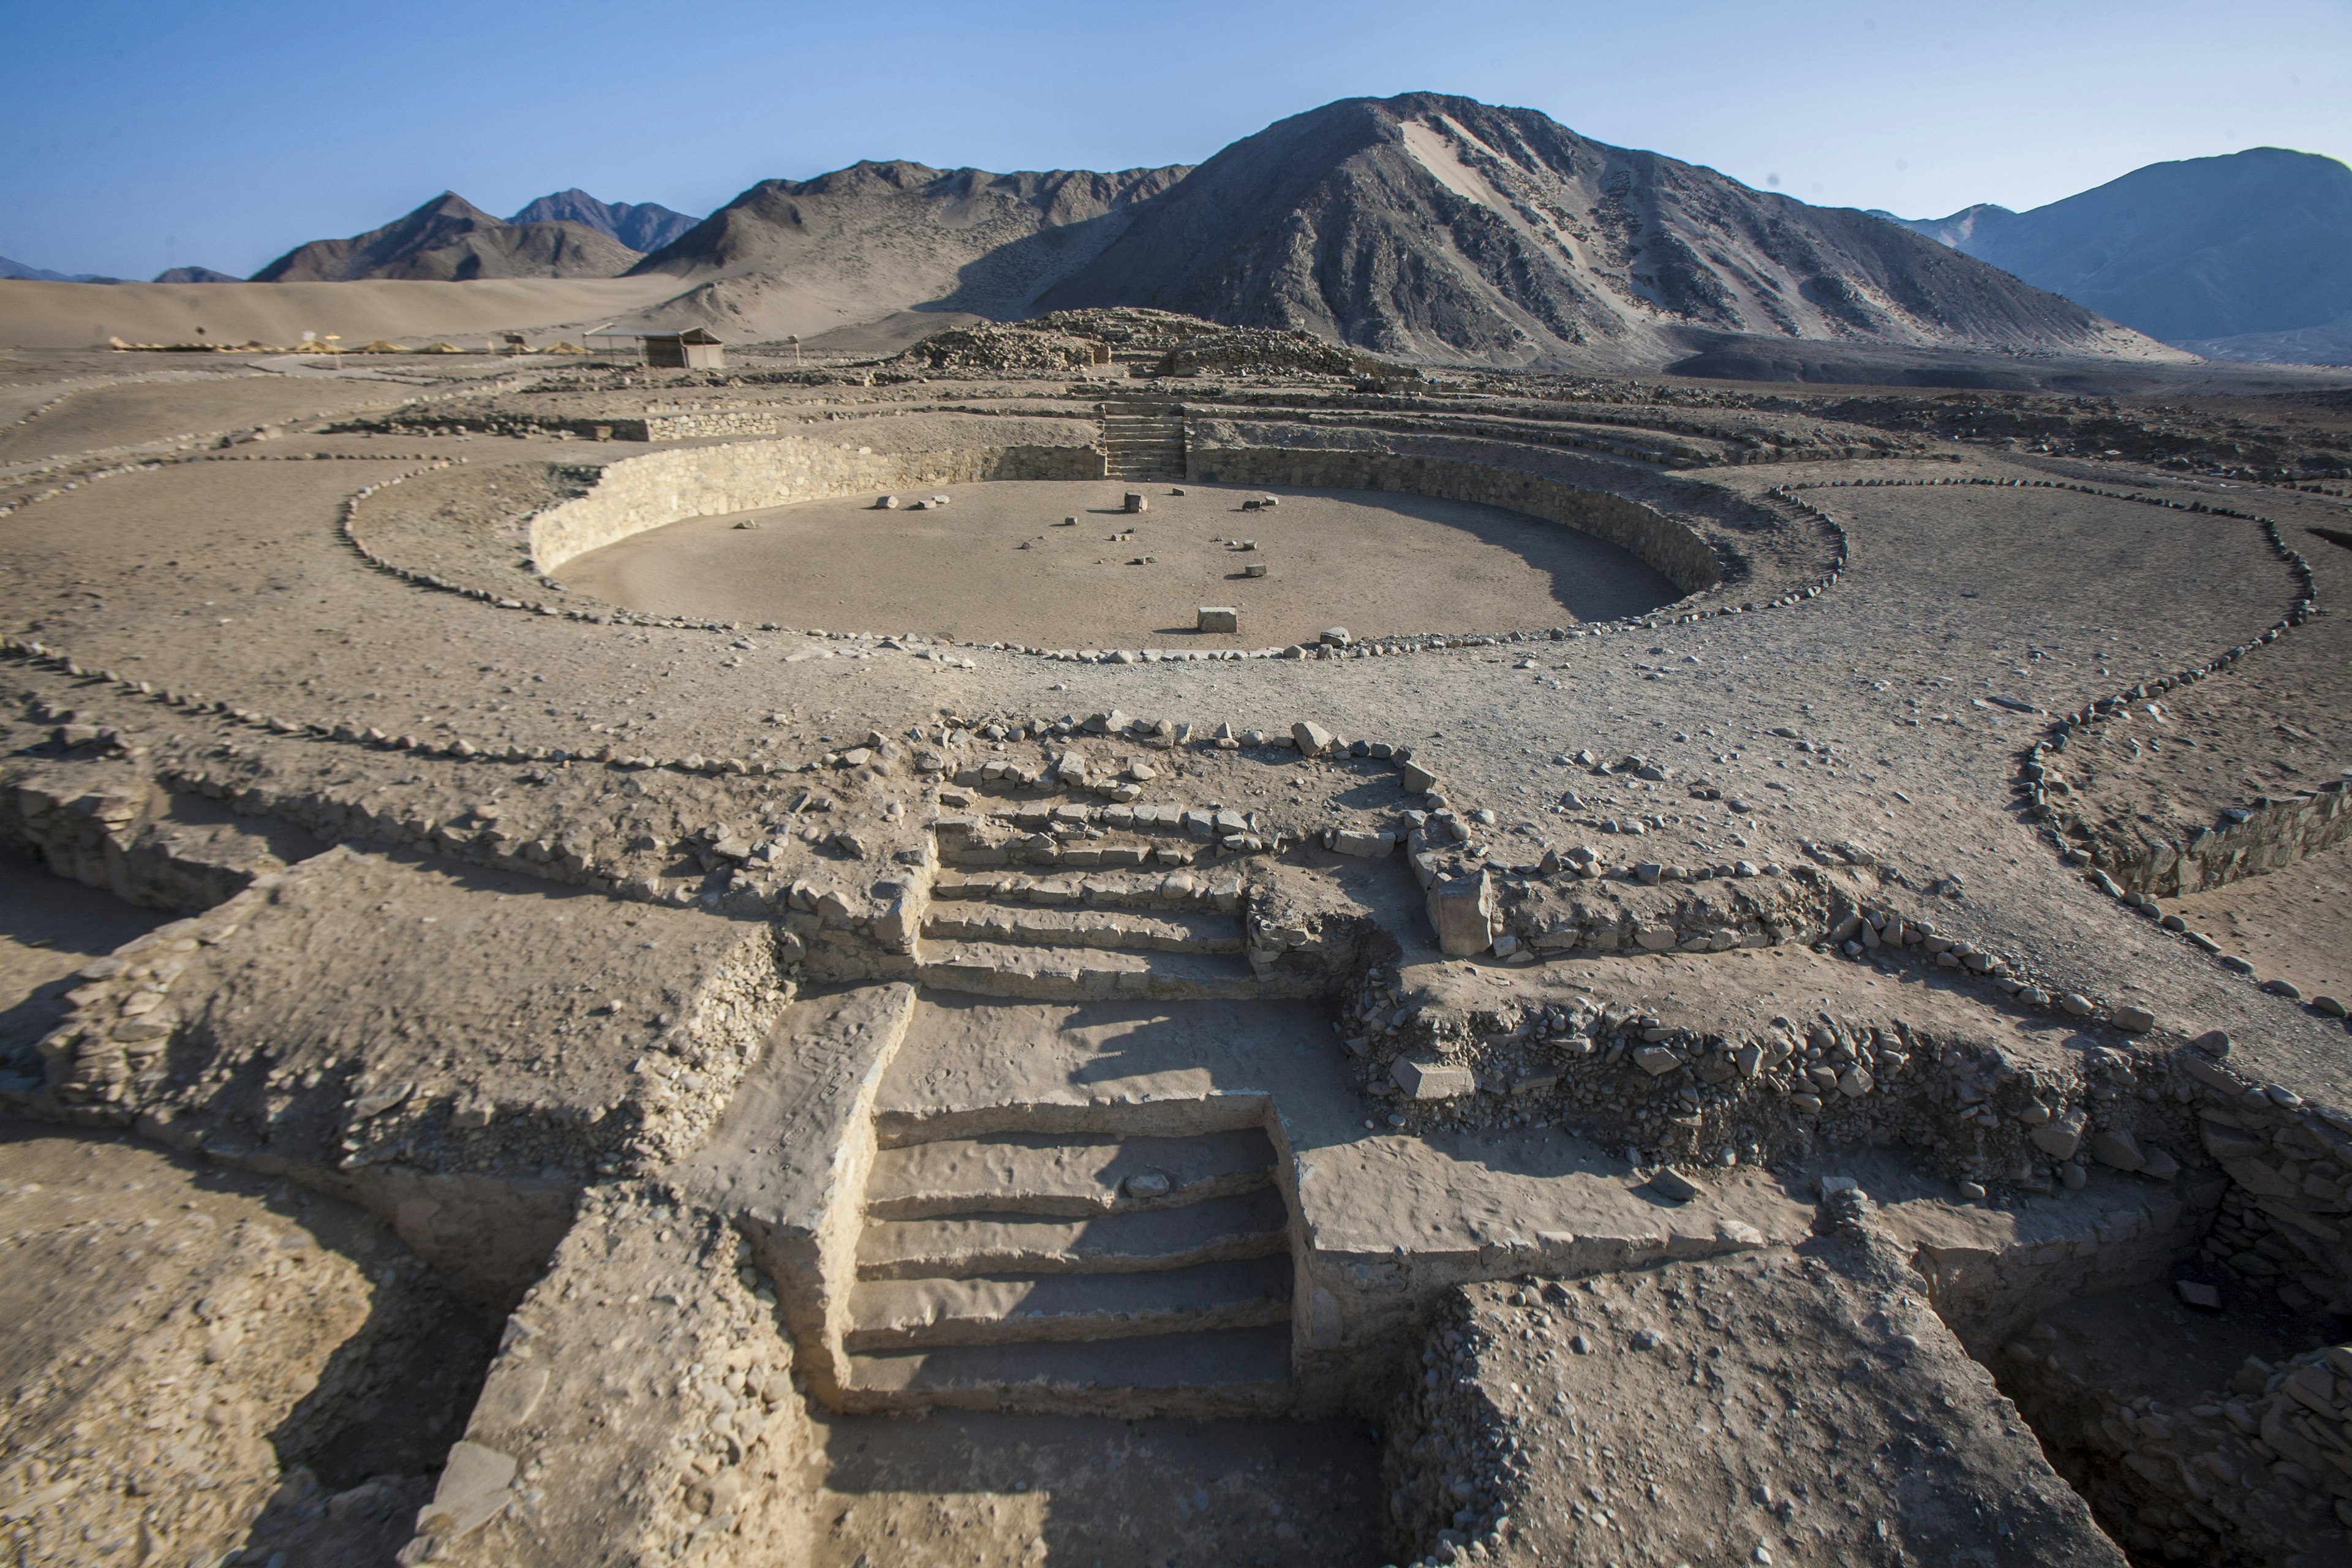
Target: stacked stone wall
1674	551
662	487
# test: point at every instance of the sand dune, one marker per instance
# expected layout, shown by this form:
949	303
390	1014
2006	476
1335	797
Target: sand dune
77	315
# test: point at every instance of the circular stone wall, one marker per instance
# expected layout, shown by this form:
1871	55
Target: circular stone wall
999	564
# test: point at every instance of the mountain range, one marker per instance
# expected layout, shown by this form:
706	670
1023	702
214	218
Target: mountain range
40	274
449	239
2247	256
1434	227
639	225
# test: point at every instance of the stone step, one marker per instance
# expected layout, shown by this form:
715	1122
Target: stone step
1072	1176
915	1314
1104	929
1081	974
1248	1224
1111	1114
1237	1372
1095	889
978	856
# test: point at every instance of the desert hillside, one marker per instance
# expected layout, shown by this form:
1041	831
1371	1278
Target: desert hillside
2256	246
1439	227
805	256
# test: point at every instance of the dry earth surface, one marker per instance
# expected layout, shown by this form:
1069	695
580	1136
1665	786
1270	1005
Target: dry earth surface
547	1027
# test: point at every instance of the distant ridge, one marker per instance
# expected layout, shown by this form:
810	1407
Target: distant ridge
42	274
855	243
2254	245
194	275
640	225
450	239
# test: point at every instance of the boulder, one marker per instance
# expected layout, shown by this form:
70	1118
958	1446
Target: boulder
2112	1146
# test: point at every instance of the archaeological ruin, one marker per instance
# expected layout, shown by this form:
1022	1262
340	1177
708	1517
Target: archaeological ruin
1120	941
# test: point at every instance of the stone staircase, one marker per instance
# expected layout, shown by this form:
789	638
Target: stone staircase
1139	361
1142	444
1089	1271
1094	936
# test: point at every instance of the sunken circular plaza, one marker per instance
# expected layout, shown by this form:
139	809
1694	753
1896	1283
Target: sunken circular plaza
1705	974
1065	563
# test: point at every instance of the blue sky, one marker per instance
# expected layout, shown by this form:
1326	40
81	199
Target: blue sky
140	134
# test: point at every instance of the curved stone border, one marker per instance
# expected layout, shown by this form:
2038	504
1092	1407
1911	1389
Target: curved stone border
150	465
2240	827
1670	549
563	532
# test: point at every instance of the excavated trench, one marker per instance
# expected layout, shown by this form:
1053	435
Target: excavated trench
246	1362
1073	1343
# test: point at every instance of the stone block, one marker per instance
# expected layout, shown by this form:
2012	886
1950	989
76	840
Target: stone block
1433	1080
1462	912
1364	845
1312	740
1137	502
1218	618
2059	1140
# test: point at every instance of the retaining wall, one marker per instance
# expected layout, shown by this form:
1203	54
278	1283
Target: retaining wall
2256	839
1674	549
662	487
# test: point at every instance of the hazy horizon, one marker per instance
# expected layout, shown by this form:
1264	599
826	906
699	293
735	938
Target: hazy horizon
232	135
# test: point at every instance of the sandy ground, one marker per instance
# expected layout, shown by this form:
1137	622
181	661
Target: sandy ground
2292	924
1000	564
993	1491
70	315
140	412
